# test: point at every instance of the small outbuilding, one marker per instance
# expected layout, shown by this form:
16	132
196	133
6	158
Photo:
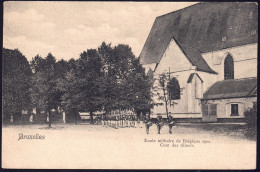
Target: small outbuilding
226	101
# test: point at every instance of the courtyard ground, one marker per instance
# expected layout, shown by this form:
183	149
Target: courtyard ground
191	146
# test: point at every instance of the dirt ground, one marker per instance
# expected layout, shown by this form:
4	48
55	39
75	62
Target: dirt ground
84	146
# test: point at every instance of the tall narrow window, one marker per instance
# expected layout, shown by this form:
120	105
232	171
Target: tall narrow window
174	89
229	67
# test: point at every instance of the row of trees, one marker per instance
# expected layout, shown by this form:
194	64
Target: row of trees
104	79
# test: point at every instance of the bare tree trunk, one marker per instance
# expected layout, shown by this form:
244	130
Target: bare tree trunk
166	103
76	116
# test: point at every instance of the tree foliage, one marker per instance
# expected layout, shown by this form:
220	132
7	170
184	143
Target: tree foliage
251	122
44	91
16	78
126	86
104	79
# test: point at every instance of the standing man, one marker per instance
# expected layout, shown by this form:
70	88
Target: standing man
148	124
159	123
171	123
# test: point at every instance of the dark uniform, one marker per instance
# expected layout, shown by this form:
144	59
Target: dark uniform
148	124
159	123
171	123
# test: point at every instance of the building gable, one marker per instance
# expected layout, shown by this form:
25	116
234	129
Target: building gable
173	58
207	27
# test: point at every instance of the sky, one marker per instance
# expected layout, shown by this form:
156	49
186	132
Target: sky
68	28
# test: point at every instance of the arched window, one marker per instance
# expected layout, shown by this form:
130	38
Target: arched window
174	89
229	67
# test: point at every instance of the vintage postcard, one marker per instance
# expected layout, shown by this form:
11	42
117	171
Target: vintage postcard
129	85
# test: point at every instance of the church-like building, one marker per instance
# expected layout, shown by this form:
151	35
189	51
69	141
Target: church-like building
211	49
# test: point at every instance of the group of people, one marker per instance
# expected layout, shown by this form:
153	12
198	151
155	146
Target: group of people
159	123
121	121
124	121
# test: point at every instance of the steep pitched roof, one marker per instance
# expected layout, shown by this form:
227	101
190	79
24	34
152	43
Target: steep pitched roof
195	58
232	88
202	27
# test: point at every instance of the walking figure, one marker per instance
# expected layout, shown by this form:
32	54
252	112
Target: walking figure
148	124
159	123
171	123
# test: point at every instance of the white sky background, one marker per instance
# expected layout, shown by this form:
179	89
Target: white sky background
68	28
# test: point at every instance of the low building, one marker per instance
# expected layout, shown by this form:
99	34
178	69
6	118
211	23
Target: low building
226	101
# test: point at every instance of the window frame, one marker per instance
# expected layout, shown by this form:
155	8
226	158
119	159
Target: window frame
236	113
229	67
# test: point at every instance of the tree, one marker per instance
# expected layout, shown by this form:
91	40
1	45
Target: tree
16	78
126	85
108	84
89	74
81	84
44	92
165	96
139	88
70	88
167	89
124	57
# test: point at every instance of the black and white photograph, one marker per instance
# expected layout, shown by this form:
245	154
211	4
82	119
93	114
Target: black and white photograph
129	85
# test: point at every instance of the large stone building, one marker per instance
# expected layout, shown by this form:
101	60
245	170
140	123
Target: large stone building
211	49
